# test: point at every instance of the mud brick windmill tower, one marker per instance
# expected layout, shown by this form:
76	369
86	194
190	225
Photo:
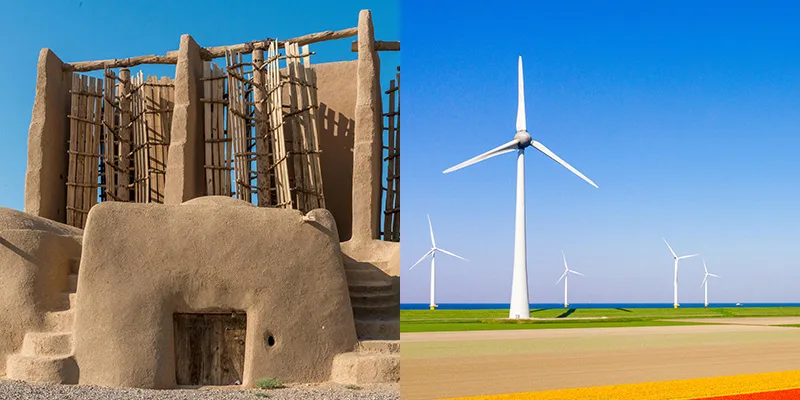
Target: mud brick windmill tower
251	201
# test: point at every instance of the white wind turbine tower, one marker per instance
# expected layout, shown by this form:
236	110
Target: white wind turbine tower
432	254
520	306
705	281
565	277
675	282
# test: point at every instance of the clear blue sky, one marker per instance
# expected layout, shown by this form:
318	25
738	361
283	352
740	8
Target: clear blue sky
83	30
686	114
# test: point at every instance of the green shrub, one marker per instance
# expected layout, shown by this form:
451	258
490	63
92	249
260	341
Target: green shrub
269	383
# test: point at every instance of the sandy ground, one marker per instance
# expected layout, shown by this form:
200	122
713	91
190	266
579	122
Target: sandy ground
456	364
747	320
17	390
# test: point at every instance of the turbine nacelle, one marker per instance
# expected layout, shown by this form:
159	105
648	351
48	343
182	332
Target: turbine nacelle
523	139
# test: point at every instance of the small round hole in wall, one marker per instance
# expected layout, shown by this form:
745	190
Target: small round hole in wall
271	340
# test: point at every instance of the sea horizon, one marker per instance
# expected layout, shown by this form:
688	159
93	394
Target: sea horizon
502	306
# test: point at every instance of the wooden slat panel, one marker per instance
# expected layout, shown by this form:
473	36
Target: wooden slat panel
224	150
126	135
277	133
94	143
109	132
80	172
260	133
391	223
308	101
73	148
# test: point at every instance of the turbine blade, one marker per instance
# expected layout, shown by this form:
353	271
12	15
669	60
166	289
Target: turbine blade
508	147
452	254
558	159
430	225
562	277
576	272
704	280
566	268
715	276
670	248
520	100
421	259
704	265
689	256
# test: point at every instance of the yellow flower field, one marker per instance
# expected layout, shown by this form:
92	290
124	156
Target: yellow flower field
687	389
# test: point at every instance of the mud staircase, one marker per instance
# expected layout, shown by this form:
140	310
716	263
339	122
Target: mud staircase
375	297
47	356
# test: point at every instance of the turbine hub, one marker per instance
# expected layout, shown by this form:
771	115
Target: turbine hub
524	138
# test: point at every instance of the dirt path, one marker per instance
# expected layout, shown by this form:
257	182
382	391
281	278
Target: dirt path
745	320
453	364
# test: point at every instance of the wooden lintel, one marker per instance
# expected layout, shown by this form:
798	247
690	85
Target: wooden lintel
379	46
208	53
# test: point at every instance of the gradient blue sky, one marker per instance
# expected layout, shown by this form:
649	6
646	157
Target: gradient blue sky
686	114
82	30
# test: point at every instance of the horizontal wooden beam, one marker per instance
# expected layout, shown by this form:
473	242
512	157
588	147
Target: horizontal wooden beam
379	46
208	53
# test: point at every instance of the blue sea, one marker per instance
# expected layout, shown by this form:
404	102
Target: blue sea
504	306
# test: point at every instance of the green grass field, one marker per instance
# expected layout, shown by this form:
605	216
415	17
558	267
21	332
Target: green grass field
471	320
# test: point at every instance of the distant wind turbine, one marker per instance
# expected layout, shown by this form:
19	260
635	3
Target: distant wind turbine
520	305
565	277
705	281
675	283
432	254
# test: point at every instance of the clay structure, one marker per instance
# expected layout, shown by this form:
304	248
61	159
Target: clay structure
212	229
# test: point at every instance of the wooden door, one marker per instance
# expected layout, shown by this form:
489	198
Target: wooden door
209	348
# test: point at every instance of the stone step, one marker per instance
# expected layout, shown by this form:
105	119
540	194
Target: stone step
354	276
368	265
68	300
73	283
74	265
374	298
371	286
379	346
376	329
47	344
59	321
61	369
364	368
377	311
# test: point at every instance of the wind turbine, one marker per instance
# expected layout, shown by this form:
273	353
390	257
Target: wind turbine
705	281
565	277
675	283
432	254
520	305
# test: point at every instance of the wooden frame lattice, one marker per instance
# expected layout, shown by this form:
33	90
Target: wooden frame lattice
391	222
118	140
269	146
85	117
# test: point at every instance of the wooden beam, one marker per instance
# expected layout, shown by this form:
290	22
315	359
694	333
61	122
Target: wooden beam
379	46
208	53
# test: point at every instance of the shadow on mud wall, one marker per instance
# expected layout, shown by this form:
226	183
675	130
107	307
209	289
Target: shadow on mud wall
336	133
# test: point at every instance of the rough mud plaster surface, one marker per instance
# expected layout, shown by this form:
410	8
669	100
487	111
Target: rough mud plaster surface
144	262
185	173
336	93
386	255
367	152
34	262
46	176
